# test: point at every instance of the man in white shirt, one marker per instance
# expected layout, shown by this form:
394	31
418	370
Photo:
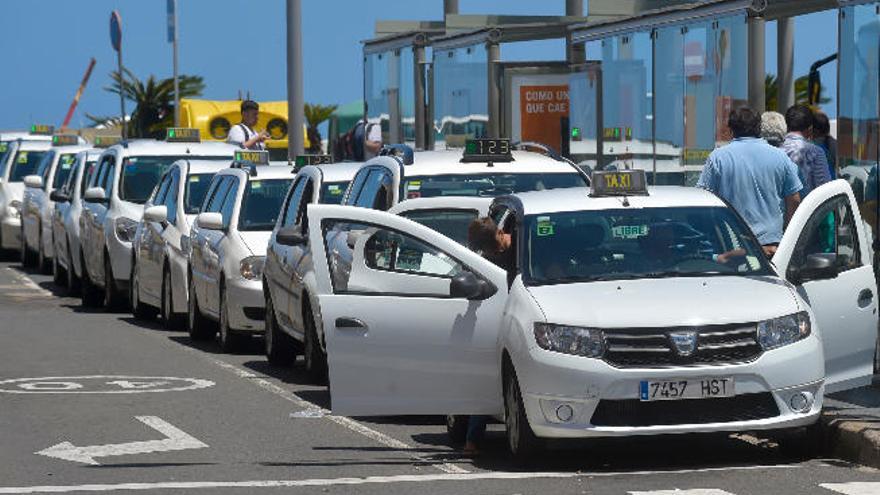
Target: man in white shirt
372	140
243	133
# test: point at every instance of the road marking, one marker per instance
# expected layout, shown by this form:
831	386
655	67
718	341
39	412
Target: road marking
101	384
855	488
187	485
28	282
175	439
695	491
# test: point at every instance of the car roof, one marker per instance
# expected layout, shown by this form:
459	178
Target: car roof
152	147
24	136
338	172
443	203
578	199
203	166
75	149
35	145
93	153
447	162
263	172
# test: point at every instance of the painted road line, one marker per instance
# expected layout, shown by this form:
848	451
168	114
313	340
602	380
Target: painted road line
855	488
27	282
175	439
695	491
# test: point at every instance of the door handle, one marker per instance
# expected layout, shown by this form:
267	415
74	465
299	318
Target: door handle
865	297
350	323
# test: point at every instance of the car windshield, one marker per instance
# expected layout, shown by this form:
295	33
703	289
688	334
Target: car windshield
261	203
487	185
332	192
25	163
638	243
453	223
196	188
63	169
140	174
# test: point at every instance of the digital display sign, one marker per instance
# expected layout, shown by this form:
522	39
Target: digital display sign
487	150
257	157
182	135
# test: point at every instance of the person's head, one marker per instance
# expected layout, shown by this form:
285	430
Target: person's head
799	118
744	122
250	111
485	236
773	127
821	124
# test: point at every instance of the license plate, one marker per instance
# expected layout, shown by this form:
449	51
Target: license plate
693	388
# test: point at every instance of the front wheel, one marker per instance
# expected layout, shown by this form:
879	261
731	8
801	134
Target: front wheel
73	282
43	264
59	274
199	326
170	319
112	300
27	256
140	310
316	359
521	440
90	293
230	340
280	350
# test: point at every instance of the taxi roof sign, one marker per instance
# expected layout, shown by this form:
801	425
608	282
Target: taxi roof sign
106	141
256	157
182	135
487	150
42	129
619	183
65	140
303	160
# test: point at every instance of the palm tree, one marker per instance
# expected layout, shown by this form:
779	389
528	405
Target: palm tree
801	92
153	99
315	115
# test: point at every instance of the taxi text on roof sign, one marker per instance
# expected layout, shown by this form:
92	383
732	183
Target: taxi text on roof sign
487	150
43	129
106	141
182	135
257	157
619	183
303	160
64	140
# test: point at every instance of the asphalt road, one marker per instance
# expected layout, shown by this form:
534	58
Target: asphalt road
98	402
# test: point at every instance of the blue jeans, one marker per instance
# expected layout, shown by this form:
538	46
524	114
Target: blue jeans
476	428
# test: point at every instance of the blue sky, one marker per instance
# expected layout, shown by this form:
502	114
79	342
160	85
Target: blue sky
240	45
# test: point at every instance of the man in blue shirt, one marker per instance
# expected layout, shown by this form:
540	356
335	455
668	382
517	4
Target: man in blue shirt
758	180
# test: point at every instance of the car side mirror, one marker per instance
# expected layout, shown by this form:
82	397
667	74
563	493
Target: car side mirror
59	197
210	221
291	236
34	181
822	266
156	213
468	286
95	195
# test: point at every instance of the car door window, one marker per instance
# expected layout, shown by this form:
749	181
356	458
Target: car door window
88	174
67	187
229	202
161	191
215	201
308	194
376	191
45	166
64	169
171	197
109	175
356	185
293	201
831	230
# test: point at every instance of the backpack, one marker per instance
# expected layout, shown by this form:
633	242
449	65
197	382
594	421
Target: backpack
350	146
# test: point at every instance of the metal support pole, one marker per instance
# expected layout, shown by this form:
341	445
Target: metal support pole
295	111
450	7
421	126
575	52
493	50
784	63
121	97
176	81
757	71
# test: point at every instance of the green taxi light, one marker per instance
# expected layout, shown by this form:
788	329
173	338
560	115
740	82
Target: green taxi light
256	157
42	129
575	132
182	135
65	140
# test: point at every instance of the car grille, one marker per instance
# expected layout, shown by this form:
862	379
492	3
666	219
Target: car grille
652	347
633	412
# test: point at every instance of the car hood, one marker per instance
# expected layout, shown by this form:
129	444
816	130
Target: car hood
667	302
256	241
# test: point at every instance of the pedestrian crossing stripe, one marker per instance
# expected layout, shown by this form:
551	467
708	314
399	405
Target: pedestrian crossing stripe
854	488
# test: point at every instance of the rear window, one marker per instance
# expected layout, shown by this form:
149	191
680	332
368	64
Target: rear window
25	163
261	203
487	185
196	188
453	223
332	192
140	174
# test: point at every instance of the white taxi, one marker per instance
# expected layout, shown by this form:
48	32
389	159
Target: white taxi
161	243
66	266
228	250
650	313
21	159
126	175
38	207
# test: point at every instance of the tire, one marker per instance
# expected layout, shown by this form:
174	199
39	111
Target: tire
521	440
59	275
456	428
171	320
27	256
877	354
140	310
74	284
43	264
200	328
280	347
230	340
112	300
315	358
91	295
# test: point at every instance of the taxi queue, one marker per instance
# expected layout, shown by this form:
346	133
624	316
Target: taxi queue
627	309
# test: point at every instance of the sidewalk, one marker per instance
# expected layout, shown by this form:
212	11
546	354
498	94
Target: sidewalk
851	424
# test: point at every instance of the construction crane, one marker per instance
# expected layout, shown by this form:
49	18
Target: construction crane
79	92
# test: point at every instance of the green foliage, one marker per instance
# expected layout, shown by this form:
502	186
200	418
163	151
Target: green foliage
315	115
801	92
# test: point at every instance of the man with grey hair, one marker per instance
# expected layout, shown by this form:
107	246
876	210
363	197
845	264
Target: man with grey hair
773	128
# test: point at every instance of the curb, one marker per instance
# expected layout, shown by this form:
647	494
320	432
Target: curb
855	440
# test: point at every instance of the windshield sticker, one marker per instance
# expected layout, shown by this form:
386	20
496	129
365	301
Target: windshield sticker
753	262
545	227
414	185
629	231
256	184
193	179
22	156
334	189
131	161
67	161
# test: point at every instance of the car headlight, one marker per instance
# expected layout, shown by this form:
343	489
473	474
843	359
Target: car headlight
125	229
14	208
578	341
252	267
784	330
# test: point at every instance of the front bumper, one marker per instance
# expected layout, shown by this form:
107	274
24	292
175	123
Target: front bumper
245	305
551	380
10	231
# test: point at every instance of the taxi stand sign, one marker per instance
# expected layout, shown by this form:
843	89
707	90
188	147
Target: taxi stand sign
487	150
619	183
106	141
182	135
65	140
42	129
256	157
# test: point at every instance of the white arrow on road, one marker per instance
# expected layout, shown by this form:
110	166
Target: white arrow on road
175	440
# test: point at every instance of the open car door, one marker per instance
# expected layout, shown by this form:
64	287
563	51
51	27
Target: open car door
825	254
411	317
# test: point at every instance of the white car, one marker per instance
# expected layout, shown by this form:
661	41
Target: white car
228	249
126	175
66	266
626	315
161	243
21	159
37	207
